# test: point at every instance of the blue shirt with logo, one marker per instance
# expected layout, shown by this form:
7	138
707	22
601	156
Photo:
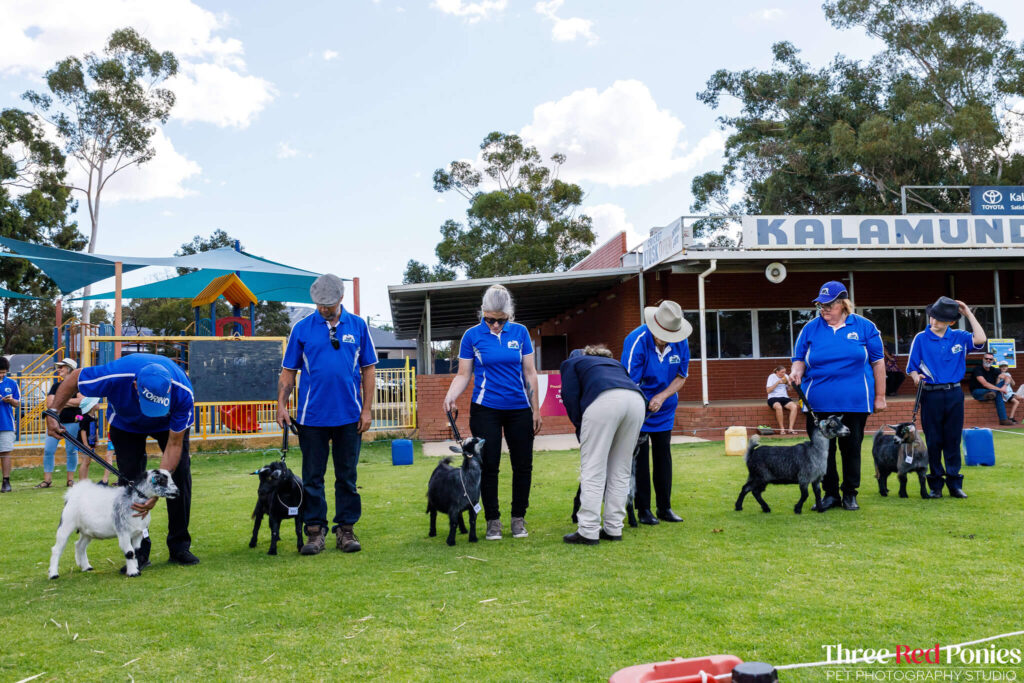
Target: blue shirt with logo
942	360
330	379
839	378
8	388
116	382
654	370
498	379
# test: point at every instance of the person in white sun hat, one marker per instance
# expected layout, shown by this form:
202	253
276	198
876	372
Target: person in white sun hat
657	357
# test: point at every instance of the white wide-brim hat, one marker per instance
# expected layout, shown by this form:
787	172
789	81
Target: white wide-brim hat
666	322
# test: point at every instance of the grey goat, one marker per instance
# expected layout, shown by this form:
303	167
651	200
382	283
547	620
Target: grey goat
902	453
802	464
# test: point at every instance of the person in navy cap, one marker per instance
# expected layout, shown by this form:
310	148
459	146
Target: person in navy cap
335	354
147	396
839	361
657	357
938	357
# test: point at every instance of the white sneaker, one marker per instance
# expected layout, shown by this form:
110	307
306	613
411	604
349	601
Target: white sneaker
493	530
519	528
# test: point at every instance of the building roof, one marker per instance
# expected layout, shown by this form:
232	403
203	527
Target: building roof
608	255
385	339
230	287
454	305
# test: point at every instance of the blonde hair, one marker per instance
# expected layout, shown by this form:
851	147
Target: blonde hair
497	298
597	350
847	305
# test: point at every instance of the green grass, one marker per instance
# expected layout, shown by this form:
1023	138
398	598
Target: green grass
763	587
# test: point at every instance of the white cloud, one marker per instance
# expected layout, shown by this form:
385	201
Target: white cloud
609	220
566	30
328	55
769	14
212	85
617	137
286	151
472	12
162	177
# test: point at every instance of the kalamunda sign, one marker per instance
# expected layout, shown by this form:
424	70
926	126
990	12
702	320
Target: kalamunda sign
883	232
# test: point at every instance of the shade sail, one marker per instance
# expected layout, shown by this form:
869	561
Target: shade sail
70	275
266	287
8	294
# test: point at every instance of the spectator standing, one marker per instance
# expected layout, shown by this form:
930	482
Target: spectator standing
10	398
70	421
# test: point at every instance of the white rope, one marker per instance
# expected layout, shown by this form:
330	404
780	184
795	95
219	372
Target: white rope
1005	431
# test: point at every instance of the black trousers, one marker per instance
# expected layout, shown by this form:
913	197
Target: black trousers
849	447
517	425
942	416
130	450
661	458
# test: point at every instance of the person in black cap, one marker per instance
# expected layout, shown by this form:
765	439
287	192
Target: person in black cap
838	359
938	357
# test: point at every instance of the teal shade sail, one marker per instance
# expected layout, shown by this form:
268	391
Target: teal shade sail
266	287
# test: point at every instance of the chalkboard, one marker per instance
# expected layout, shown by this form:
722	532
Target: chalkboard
226	371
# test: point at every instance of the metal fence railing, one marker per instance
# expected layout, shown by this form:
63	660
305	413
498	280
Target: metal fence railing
394	410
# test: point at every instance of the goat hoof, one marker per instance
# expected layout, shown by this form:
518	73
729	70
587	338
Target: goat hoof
54	576
766	510
450	541
472	539
798	510
883	494
252	543
432	534
739	508
903	494
134	575
272	551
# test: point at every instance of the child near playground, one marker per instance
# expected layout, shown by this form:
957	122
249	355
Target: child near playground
10	398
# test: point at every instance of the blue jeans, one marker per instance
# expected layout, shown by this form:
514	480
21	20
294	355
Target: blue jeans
979	394
316	443
50	449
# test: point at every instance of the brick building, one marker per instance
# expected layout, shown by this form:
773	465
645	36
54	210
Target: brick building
750	323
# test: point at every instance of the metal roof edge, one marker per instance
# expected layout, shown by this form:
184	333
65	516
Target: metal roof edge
511	280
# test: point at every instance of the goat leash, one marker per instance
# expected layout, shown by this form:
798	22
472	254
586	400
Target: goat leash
803	397
284	437
917	400
455	429
92	454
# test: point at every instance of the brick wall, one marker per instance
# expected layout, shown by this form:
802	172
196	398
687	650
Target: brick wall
608	255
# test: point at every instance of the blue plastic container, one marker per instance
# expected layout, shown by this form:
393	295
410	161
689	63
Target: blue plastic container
979	448
401	452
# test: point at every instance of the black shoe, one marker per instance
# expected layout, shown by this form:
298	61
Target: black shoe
957	493
929	495
605	536
936	493
142	565
575	538
645	517
827	503
850	503
6	486
183	557
669	516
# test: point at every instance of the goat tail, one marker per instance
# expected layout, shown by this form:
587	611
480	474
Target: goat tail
879	433
753	443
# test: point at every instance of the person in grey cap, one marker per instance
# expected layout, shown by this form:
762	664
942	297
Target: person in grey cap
333	350
938	357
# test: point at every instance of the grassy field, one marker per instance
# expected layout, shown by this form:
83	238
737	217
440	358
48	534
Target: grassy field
774	587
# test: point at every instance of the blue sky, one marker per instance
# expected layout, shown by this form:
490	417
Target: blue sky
311	131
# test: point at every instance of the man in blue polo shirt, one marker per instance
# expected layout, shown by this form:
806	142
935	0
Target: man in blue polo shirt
335	353
938	357
147	396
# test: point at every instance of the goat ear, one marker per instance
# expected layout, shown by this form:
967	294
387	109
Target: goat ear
455	449
893	427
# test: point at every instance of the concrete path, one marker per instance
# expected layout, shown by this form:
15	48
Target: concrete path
549	442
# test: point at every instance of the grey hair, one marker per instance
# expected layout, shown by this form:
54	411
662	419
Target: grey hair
497	298
597	350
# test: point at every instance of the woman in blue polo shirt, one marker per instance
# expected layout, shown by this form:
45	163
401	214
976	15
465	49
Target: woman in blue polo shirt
839	360
657	357
498	355
938	357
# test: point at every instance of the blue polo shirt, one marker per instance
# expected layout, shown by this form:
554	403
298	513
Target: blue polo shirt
942	360
654	370
839	378
498	380
330	379
116	382
8	387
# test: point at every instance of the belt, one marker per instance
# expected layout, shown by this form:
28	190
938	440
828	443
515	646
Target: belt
941	387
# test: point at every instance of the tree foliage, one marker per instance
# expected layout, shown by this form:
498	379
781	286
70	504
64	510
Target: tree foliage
933	108
529	222
34	207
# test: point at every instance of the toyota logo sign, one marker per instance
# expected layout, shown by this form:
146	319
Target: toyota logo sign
992	196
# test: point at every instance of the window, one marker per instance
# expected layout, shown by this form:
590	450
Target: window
908	323
773	334
1013	324
800	318
694	339
885	320
986	316
735	336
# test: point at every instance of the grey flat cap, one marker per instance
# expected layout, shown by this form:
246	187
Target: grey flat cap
327	289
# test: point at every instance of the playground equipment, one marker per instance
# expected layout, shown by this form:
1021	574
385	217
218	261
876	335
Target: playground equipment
232	288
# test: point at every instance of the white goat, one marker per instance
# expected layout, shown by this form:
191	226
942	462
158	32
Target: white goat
105	512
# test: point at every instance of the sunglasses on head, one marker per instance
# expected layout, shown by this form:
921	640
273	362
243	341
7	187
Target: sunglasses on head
334	338
495	321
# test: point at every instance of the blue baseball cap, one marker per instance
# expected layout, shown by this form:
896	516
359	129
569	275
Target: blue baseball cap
830	291
154	383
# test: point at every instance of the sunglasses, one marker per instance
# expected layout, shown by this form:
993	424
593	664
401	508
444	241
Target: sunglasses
495	321
826	307
988	360
334	338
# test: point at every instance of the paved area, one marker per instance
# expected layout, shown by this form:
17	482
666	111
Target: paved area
548	442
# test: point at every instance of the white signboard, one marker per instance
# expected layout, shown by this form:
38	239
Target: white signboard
665	243
937	231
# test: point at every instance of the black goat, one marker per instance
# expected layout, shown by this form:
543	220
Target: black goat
452	490
280	496
901	453
803	464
